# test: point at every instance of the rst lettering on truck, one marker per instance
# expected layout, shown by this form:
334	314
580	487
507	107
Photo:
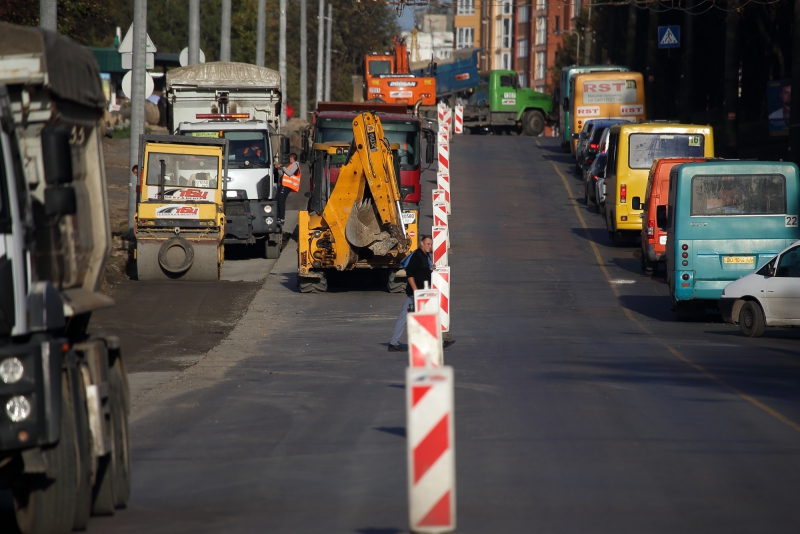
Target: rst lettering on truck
607	95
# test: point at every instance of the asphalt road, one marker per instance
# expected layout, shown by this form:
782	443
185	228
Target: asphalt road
581	404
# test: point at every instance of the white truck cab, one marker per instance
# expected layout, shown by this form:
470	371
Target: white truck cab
768	297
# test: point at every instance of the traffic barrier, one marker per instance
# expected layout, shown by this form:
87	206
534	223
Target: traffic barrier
431	450
440	216
426	300
459	120
440	280
424	340
443	182
439	246
448	121
438	194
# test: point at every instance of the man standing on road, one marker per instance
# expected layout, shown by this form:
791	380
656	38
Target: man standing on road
290	182
418	272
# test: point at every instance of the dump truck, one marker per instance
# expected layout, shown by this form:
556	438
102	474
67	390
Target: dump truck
64	448
387	79
356	222
180	218
455	76
241	103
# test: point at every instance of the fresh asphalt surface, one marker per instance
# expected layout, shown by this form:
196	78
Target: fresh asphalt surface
581	404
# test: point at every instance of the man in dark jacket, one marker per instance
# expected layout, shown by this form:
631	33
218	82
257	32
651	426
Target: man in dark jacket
418	272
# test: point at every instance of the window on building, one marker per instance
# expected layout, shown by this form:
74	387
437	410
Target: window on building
465	37
541	65
522	14
522	48
539	88
465	7
504	33
558	24
541	30
507	7
503	61
541	4
523	82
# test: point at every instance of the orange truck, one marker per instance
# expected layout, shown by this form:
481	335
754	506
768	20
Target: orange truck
387	78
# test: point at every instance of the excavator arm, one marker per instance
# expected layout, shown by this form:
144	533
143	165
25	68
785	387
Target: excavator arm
363	210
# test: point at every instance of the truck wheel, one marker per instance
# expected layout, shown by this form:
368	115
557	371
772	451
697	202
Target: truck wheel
273	248
533	123
751	319
122	460
394	284
83	441
312	285
42	504
104	481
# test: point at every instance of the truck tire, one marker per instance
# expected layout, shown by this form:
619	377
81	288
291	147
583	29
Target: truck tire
83	441
394	284
117	380
273	248
532	122
312	285
44	505
103	494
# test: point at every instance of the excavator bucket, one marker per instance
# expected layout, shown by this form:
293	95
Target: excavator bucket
363	229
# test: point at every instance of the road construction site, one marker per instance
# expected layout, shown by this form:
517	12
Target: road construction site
580	404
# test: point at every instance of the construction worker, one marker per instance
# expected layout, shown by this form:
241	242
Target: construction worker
289	183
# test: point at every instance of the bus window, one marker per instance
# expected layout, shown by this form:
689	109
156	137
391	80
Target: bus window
739	195
643	148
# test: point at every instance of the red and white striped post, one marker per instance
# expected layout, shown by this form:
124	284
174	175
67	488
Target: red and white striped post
459	120
438	195
431	450
443	182
440	279
439	246
440	217
426	301
424	340
448	120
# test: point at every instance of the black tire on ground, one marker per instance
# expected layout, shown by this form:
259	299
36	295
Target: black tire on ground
273	248
565	147
647	265
312	285
104	482
83	441
117	380
532	123
395	285
618	239
48	505
751	319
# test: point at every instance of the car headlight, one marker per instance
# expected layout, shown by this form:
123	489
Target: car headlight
269	220
267	209
18	408
11	370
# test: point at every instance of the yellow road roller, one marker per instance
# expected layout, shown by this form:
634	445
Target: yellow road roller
180	218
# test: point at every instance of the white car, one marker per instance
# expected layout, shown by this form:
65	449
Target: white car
768	297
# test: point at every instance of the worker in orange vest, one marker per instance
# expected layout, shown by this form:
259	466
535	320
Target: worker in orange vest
289	183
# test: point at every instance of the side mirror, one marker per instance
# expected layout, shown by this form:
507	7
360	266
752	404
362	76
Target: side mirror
576	136
60	201
636	203
286	147
57	155
661	216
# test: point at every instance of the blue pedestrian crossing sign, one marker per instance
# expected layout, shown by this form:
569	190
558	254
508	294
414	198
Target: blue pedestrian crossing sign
669	36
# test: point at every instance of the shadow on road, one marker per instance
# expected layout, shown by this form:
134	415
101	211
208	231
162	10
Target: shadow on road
394	430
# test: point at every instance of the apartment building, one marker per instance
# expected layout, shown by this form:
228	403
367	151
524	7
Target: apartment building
467	23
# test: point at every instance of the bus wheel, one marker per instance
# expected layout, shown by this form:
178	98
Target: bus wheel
532	123
751	319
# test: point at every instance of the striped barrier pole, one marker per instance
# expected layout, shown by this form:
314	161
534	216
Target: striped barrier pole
459	120
431	449
443	182
440	279
448	120
439	246
440	217
424	339
438	194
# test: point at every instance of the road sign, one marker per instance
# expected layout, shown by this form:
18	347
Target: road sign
126	50
184	57
148	84
669	36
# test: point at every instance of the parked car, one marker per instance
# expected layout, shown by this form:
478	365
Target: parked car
596	171
590	146
768	297
582	137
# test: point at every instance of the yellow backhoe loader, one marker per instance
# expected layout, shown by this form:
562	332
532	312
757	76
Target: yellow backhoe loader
357	220
180	219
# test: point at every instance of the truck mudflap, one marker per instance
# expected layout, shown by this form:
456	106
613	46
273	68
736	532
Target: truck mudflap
31	393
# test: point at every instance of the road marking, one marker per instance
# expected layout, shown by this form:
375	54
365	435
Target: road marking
622	282
613	284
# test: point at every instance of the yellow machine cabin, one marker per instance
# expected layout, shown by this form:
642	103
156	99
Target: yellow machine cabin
355	221
180	221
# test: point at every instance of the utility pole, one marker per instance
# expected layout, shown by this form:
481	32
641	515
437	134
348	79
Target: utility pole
730	105
630	49
194	32
282	59
328	55
651	71
225	33
320	49
686	82
794	114
48	15
261	32
138	74
303	62
587	45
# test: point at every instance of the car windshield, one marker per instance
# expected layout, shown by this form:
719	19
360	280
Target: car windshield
599	165
644	148
598	133
247	149
183	170
376	68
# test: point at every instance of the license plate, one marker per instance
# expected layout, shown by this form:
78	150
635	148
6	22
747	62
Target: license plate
201	183
409	217
662	240
738	259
